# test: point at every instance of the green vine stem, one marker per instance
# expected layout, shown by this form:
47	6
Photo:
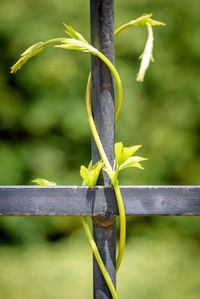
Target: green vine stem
98	257
94	129
144	20
122	217
82	45
118	80
118	30
77	42
110	66
112	69
85	222
112	175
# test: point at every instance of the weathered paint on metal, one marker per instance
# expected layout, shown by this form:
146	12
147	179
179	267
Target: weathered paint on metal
102	37
81	200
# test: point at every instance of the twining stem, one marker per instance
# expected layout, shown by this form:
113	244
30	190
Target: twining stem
121	28
100	146
122	217
101	149
126	25
108	167
109	170
110	66
94	129
115	73
117	80
98	258
111	174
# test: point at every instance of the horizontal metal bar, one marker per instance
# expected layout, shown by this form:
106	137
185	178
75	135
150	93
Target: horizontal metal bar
81	200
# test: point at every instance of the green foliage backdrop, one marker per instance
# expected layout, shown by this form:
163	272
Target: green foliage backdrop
44	130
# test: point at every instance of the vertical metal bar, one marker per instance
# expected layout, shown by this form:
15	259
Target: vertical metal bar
104	228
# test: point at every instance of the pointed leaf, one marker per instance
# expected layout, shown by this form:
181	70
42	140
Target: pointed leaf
17	66
153	22
74	34
90	165
74	44
90	175
26	55
147	55
96	171
132	162
118	152
129	151
36	49
123	153
143	20
84	172
43	182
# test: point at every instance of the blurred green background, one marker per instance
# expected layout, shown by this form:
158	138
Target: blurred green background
44	132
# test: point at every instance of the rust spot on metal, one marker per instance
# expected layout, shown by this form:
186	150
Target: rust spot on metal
189	214
20	214
104	221
106	85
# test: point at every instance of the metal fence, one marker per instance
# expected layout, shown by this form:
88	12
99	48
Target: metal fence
99	202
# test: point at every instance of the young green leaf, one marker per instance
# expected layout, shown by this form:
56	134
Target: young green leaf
147	55
95	171
119	152
143	20
129	151
26	55
123	153
90	175
43	182
85	174
74	34
90	166
74	44
34	49
153	22
132	162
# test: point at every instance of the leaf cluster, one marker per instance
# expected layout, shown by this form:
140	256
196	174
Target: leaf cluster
125	156
90	175
26	55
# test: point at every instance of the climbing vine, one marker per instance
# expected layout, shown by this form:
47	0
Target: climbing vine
124	156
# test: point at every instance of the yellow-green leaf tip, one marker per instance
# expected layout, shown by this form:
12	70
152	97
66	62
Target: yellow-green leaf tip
147	55
125	156
122	153
26	55
43	182
133	162
90	175
143	20
74	34
74	44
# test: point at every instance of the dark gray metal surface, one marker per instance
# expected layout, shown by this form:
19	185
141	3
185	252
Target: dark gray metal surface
75	200
102	37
